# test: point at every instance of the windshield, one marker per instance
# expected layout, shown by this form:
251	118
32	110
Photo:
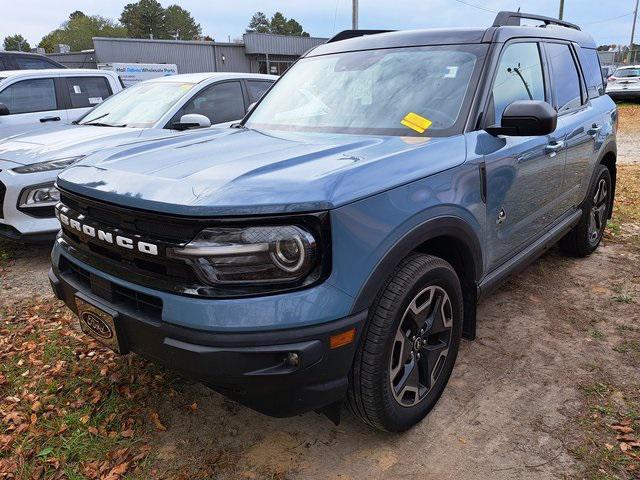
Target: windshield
627	72
400	91
139	106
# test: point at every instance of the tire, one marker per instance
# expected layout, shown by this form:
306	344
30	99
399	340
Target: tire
585	237
420	287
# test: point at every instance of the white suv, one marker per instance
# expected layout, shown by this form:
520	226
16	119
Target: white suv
36	99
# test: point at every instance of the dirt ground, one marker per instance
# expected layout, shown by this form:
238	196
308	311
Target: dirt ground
550	388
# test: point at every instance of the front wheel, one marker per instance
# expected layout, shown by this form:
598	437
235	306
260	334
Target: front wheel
410	345
585	237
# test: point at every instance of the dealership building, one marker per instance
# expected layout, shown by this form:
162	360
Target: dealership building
257	53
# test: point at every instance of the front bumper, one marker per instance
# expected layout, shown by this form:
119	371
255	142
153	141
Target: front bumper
249	367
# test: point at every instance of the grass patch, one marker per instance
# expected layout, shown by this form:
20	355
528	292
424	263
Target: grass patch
609	425
69	407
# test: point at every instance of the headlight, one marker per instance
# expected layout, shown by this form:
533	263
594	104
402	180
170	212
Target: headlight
50	165
43	195
253	255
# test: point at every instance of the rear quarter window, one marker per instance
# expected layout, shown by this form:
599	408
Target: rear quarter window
592	71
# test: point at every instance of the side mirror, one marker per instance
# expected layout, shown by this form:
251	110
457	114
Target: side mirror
524	118
4	110
192	120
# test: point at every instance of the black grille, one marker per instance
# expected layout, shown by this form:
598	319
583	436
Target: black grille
140	303
3	191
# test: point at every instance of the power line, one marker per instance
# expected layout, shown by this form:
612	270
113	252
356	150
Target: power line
608	19
479	7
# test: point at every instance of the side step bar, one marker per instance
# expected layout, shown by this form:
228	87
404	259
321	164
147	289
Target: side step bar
519	261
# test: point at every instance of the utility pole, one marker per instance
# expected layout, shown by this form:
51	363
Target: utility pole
354	15
561	12
633	31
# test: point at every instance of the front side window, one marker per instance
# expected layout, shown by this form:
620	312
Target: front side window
566	82
87	91
519	77
139	106
409	91
26	96
220	103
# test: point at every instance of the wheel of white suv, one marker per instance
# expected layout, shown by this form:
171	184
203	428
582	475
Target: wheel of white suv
585	237
410	345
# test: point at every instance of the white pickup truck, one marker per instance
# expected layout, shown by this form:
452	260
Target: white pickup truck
37	99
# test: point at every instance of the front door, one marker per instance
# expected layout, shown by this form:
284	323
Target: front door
524	174
33	104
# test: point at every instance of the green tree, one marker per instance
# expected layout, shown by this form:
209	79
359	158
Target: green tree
278	25
16	43
79	30
259	23
179	23
144	18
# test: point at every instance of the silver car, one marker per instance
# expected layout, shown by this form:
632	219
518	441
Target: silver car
624	84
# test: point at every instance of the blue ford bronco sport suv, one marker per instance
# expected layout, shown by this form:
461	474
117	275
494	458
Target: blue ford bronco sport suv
332	246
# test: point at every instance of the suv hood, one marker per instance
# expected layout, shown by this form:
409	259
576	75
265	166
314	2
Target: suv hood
247	172
69	141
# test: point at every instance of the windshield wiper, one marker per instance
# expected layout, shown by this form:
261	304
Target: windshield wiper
90	122
100	124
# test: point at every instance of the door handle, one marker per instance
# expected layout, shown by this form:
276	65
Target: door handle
49	119
595	128
553	148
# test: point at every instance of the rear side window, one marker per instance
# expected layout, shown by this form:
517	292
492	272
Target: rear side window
257	89
27	96
87	91
565	79
32	63
592	72
519	77
222	102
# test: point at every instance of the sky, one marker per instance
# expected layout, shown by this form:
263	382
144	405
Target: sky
608	21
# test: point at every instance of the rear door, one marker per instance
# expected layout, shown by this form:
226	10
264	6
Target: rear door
82	93
578	121
524	174
33	103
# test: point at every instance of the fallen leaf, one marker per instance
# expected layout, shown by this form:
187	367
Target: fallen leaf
193	407
624	447
127	433
156	421
84	419
116	472
622	428
608	446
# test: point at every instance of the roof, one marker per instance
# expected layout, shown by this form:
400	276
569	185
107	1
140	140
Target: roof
47	72
453	36
13	52
201	77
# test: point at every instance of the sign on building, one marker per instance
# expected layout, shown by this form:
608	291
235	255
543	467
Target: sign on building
132	73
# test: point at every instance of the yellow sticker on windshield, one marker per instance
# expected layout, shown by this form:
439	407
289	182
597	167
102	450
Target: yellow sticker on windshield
416	122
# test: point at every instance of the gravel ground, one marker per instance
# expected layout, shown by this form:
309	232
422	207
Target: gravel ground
515	406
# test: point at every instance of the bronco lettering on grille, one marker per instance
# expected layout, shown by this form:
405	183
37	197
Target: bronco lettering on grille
73	221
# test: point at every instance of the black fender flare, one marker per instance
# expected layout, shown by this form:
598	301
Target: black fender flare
610	147
442	226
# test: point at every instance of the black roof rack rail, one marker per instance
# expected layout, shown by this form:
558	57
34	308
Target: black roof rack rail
513	19
345	34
